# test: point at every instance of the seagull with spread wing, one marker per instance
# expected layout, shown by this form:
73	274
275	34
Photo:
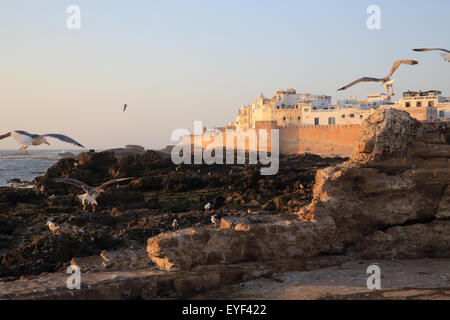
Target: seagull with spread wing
26	139
387	82
90	197
445	53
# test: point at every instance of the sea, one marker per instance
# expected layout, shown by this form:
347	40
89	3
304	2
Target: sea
27	165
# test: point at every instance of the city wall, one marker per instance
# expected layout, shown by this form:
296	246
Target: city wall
323	140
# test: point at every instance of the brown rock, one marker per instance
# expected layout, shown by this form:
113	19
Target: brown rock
388	184
282	239
406	242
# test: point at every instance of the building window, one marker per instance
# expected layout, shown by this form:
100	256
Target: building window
361	116
278	107
408	104
352	115
298	118
430	103
441	114
316	121
331	120
419	104
306	109
284	118
343	116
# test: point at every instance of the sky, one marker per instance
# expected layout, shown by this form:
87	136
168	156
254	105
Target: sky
175	62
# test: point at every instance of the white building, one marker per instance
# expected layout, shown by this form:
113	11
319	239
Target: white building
336	115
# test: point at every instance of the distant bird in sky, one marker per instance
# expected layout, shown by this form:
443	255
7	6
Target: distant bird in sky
387	82
90	197
207	207
52	226
125	107
445	53
26	139
175	224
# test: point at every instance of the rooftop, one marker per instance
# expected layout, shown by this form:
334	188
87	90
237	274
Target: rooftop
422	93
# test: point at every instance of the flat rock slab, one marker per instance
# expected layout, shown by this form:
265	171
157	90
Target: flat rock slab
405	279
240	240
150	283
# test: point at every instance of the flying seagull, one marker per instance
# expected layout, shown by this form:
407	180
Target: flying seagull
90	197
125	107
387	82
445	53
26	139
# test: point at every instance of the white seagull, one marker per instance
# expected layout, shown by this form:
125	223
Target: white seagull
445	53
207	207
387	82
52	226
90	197
175	224
215	220
26	139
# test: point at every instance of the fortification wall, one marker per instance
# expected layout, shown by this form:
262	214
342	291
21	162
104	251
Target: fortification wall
325	140
335	139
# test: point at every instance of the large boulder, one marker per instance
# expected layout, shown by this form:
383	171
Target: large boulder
398	176
253	239
385	134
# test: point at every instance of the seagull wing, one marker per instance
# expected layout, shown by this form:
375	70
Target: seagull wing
431	49
398	63
74	182
6	135
23	137
63	138
364	79
108	183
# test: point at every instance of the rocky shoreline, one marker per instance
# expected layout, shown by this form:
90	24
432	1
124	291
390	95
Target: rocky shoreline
144	208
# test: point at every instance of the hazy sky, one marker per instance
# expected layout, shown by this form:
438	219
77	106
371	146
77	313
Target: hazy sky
174	62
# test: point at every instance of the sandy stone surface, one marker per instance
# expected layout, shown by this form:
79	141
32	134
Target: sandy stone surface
407	279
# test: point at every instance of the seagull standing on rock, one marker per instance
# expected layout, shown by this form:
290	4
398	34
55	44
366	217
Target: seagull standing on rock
215	220
90	197
208	207
26	139
175	224
52	226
